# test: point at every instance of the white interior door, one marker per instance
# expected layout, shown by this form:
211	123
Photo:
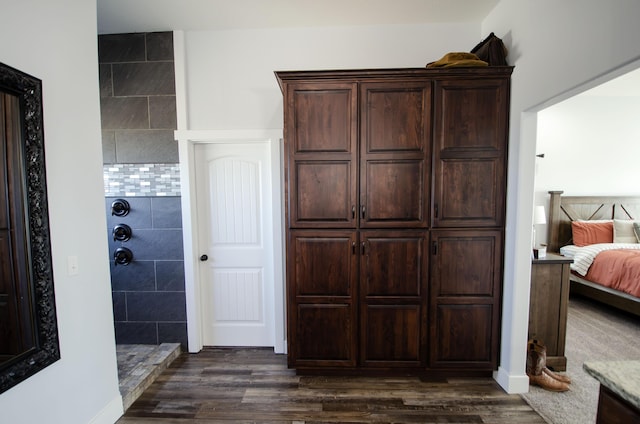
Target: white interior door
234	213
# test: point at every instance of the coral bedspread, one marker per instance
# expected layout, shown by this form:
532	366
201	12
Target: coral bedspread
617	269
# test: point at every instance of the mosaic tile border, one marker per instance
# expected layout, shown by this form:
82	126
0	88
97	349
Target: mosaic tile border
149	179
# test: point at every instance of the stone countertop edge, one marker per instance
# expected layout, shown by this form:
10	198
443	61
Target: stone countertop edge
621	377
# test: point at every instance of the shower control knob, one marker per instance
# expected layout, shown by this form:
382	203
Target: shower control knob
122	256
120	207
121	232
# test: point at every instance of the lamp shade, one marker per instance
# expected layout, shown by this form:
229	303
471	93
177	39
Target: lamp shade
539	215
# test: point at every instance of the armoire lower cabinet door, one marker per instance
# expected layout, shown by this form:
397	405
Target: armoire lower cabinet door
325	335
392	335
321	271
393	272
465	298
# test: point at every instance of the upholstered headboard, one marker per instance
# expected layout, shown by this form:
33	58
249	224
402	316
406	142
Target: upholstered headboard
564	209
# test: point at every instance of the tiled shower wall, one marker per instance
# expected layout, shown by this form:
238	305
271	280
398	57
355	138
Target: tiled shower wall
140	155
148	294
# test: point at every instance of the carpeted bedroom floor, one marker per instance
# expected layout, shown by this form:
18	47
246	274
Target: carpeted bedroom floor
594	333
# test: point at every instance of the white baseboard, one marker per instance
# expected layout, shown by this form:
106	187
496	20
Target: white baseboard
110	413
512	384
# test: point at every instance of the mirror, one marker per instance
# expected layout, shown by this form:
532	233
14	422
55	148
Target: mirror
28	326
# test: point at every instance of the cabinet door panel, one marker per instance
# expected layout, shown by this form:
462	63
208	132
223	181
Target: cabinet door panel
323	264
472	196
325	335
470	146
466	271
466	263
322	267
394	264
392	335
393	272
463	336
395	194
395	149
322	118
471	114
396	116
323	193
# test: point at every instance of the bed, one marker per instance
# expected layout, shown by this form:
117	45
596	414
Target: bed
563	210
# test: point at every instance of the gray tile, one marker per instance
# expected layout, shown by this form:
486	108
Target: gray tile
159	45
162	112
121	48
166	212
119	306
152	146
156	306
170	275
143	79
137	276
124	113
170	332
136	332
108	147
157	245
106	86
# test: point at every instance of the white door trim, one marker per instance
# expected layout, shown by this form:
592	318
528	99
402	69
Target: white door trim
187	139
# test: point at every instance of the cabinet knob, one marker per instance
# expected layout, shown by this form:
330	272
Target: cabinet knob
203	258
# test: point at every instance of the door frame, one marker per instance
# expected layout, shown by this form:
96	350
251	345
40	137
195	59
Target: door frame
187	140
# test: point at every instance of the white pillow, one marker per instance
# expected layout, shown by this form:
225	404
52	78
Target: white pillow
623	231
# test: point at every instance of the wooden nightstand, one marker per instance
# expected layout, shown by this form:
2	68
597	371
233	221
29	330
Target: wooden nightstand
548	306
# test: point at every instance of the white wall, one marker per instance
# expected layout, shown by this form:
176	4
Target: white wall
57	42
230	80
556	47
591	147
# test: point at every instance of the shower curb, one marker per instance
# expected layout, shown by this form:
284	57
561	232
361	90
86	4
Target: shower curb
150	361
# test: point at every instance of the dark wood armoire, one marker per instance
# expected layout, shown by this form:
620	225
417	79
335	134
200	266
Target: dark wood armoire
395	184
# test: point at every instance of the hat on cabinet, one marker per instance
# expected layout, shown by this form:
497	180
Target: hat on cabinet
458	59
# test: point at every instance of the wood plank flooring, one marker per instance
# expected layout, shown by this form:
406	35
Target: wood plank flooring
255	386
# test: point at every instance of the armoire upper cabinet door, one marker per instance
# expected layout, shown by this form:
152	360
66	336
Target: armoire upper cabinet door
470	143
320	137
321	118
395	140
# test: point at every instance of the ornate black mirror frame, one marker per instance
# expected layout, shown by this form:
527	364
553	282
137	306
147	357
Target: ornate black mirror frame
44	349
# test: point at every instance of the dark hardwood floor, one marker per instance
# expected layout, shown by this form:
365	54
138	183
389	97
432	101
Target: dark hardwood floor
255	386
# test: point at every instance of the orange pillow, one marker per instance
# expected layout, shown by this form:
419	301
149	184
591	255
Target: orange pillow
585	232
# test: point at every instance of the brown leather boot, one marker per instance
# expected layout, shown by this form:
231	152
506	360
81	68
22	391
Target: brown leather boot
542	349
556	376
536	363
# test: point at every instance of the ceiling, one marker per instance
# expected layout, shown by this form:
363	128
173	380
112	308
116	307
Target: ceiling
122	16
